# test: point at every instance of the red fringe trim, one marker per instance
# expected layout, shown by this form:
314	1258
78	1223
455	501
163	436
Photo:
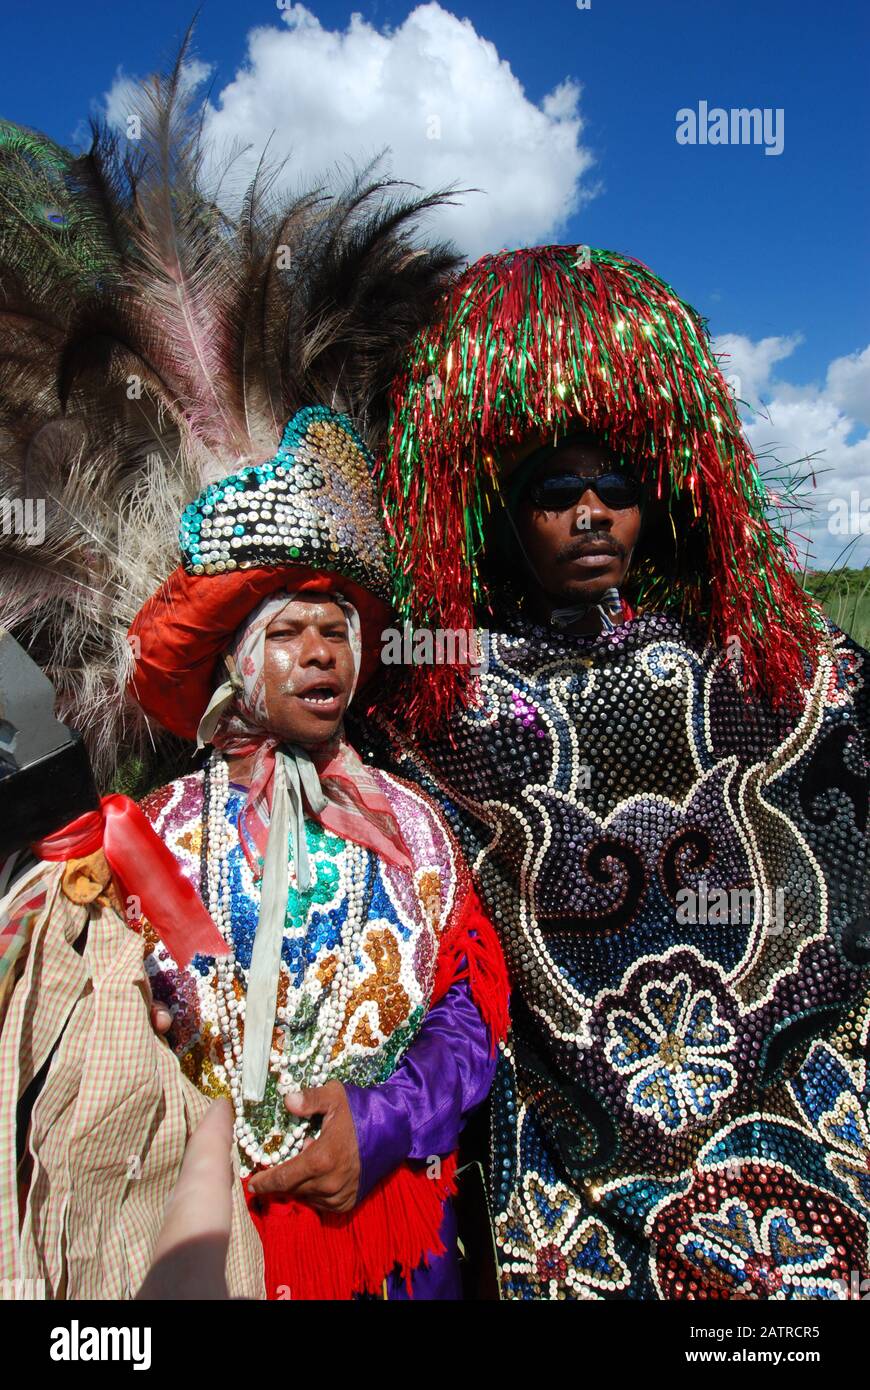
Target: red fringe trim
471	951
318	1255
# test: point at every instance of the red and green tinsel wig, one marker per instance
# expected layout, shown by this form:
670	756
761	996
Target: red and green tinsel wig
550	339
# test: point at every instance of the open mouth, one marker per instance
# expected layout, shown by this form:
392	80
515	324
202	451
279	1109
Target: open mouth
322	698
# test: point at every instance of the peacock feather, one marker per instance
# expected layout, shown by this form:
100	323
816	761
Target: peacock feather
152	342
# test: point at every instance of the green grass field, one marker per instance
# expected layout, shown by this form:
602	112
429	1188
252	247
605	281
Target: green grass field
845	596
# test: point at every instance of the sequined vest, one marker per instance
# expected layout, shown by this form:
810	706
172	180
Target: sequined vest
680	881
392	975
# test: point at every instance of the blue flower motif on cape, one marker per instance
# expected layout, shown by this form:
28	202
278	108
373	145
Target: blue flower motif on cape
675	1051
547	1244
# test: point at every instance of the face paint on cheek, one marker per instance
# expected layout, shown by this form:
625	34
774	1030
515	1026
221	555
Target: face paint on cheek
282	677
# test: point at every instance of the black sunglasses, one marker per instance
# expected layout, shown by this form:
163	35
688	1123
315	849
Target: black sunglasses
562	490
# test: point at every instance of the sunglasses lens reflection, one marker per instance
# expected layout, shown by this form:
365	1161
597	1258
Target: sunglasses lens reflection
616	490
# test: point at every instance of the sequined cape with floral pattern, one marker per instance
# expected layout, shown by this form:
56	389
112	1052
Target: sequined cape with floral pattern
408	914
680	882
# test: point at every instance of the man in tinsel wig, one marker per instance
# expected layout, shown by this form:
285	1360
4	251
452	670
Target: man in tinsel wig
307	922
660	781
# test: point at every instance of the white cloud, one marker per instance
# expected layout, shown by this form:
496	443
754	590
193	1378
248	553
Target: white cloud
849	384
748	365
125	98
450	111
432	92
828	422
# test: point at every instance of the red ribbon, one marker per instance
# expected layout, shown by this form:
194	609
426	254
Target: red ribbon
145	869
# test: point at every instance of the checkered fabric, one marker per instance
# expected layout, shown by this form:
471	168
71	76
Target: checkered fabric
109	1127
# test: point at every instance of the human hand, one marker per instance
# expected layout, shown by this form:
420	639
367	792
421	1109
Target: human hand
191	1252
161	1018
326	1174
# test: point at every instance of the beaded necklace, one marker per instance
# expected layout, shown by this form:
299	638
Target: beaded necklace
310	1064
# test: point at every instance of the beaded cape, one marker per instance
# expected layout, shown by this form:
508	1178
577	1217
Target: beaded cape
679	877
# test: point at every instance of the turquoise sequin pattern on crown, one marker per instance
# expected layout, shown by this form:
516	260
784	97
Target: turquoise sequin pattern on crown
313	503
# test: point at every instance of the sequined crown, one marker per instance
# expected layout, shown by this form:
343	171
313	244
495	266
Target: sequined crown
313	503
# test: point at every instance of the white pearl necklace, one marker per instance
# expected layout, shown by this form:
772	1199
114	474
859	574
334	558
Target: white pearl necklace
311	1065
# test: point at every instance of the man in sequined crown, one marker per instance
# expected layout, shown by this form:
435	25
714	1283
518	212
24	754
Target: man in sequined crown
660	781
344	1025
352	1017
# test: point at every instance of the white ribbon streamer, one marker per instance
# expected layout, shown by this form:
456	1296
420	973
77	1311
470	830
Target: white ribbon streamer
295	778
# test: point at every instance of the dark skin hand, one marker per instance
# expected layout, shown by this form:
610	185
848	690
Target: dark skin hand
326	1173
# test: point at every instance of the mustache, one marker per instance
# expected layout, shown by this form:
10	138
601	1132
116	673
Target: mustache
592	545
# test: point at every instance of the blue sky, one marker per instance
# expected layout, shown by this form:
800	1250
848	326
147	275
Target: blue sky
771	248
